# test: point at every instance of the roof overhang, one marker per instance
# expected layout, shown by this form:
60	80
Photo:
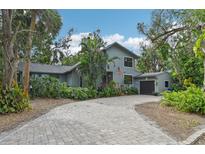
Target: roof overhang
116	44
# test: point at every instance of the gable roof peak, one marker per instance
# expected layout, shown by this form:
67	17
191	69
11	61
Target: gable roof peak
117	44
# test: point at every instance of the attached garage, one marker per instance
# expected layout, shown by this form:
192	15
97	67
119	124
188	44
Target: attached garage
153	83
147	87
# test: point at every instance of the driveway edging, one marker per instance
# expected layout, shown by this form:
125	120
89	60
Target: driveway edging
194	137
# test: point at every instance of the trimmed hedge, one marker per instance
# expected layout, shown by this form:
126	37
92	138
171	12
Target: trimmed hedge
190	100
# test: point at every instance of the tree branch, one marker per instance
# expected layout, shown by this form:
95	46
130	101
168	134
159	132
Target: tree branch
168	33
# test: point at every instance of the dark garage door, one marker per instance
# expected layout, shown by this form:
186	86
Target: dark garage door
147	87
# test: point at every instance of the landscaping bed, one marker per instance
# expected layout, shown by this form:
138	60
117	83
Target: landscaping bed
179	125
39	107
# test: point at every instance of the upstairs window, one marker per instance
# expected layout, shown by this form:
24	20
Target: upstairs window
128	62
127	79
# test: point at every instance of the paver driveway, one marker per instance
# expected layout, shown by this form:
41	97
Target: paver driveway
99	121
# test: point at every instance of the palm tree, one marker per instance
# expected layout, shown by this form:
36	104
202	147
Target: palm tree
93	59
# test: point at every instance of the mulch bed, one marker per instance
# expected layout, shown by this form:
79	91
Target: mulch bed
39	107
177	124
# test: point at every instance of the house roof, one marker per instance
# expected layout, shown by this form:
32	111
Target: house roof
50	69
116	44
152	74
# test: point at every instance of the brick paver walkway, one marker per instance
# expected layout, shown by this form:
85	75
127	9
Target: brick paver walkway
100	121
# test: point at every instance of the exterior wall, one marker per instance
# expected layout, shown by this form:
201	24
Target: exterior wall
62	77
161	82
73	79
118	76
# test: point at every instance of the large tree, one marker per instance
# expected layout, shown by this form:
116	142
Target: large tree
93	59
46	31
26	72
8	40
177	30
47	25
1	49
44	21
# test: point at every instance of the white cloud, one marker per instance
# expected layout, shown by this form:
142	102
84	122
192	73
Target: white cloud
114	38
132	43
75	43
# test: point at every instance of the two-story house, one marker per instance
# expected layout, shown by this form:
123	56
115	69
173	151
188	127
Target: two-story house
122	71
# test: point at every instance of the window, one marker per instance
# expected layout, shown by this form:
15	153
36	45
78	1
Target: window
166	84
127	61
127	79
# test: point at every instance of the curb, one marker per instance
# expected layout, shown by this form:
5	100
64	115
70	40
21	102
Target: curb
194	137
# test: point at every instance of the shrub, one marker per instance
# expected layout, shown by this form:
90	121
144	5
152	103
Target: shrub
52	88
46	87
13	100
130	90
79	93
190	100
110	91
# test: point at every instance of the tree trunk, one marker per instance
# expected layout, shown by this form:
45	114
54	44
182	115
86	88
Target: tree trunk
8	53
16	64
26	73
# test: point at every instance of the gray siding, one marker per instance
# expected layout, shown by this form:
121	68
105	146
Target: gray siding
119	64
73	79
161	82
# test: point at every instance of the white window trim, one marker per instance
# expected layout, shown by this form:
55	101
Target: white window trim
132	61
124	79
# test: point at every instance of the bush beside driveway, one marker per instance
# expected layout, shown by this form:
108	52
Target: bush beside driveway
39	107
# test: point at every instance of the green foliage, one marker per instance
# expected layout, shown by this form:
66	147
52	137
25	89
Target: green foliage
83	93
112	90
108	92
52	88
46	31
198	49
129	91
13	100
187	71
190	100
93	60
173	34
46	87
71	60
1	62
152	59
